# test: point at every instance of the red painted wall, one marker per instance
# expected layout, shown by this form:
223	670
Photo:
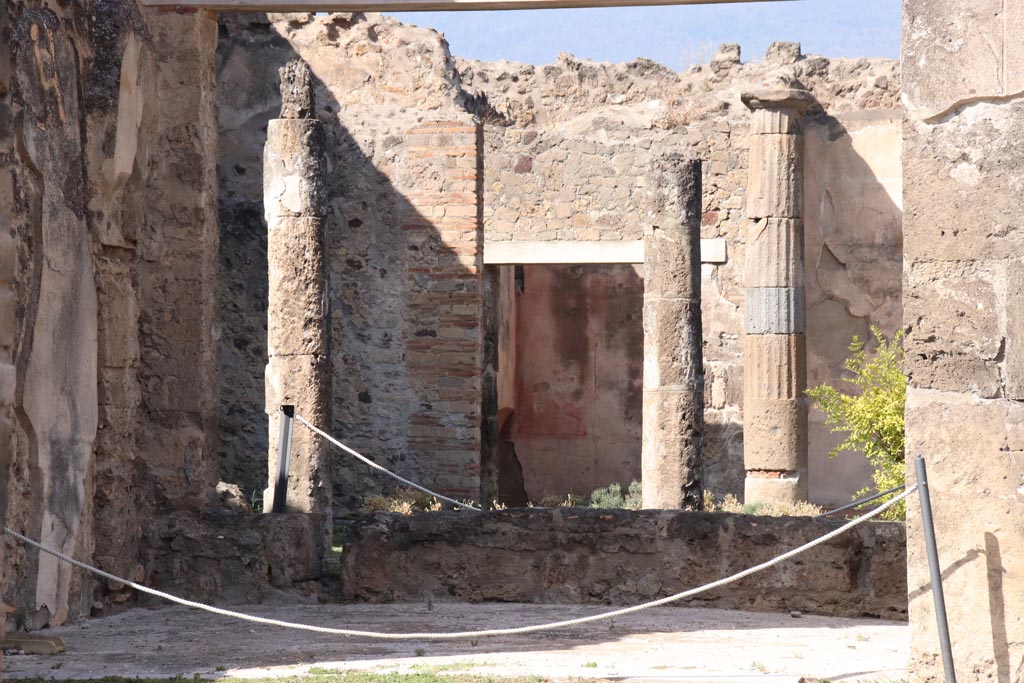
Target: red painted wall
579	377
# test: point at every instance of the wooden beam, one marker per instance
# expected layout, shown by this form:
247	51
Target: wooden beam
414	5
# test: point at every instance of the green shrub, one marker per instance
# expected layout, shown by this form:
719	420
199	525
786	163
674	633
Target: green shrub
611	497
872	414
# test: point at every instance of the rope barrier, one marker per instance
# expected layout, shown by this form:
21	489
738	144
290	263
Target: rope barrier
859	502
434	635
363	458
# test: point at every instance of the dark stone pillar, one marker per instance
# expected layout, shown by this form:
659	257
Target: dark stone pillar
298	332
673	400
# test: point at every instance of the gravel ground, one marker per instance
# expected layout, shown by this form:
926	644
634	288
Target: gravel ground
661	644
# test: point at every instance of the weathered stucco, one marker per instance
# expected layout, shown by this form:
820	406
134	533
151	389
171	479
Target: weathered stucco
963	169
853	253
574	418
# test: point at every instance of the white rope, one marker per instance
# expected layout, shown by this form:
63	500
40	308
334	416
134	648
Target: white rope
386	471
435	635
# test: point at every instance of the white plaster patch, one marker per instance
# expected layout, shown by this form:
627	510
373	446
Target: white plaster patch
129	112
287	191
966	174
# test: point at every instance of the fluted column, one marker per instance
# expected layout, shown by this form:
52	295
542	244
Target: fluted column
298	333
673	395
774	349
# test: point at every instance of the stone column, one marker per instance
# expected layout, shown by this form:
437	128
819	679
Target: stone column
774	351
673	397
298	332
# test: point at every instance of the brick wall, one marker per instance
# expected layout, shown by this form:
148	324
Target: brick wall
443	280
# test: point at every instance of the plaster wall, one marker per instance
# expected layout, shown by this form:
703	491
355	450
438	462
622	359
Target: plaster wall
853	244
579	378
963	169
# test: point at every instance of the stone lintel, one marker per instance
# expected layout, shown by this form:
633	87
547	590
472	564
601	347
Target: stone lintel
568	252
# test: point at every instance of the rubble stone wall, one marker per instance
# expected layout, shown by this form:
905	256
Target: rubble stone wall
403	243
565	153
579	555
229	558
963	167
109	195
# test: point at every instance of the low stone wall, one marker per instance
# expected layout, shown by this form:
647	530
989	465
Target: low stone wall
233	557
577	555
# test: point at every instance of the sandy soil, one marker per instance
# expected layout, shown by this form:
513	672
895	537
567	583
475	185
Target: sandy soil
662	644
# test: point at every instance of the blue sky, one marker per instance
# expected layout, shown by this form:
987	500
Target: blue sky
676	36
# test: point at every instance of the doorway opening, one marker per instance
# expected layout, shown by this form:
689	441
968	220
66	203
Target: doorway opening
569	379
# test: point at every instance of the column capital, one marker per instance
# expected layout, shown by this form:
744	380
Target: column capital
792	99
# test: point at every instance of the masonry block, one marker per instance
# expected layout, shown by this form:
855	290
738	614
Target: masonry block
301	381
774	310
293	168
790	488
774	366
671	333
673	431
775	253
775	187
298	303
775	434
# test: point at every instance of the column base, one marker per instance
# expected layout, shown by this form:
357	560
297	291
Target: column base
772	487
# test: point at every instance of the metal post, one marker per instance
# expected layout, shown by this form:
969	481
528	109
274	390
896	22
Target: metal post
934	569
284	451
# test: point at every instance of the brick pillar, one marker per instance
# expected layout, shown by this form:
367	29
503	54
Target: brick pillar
774	352
673	397
443	325
298	338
